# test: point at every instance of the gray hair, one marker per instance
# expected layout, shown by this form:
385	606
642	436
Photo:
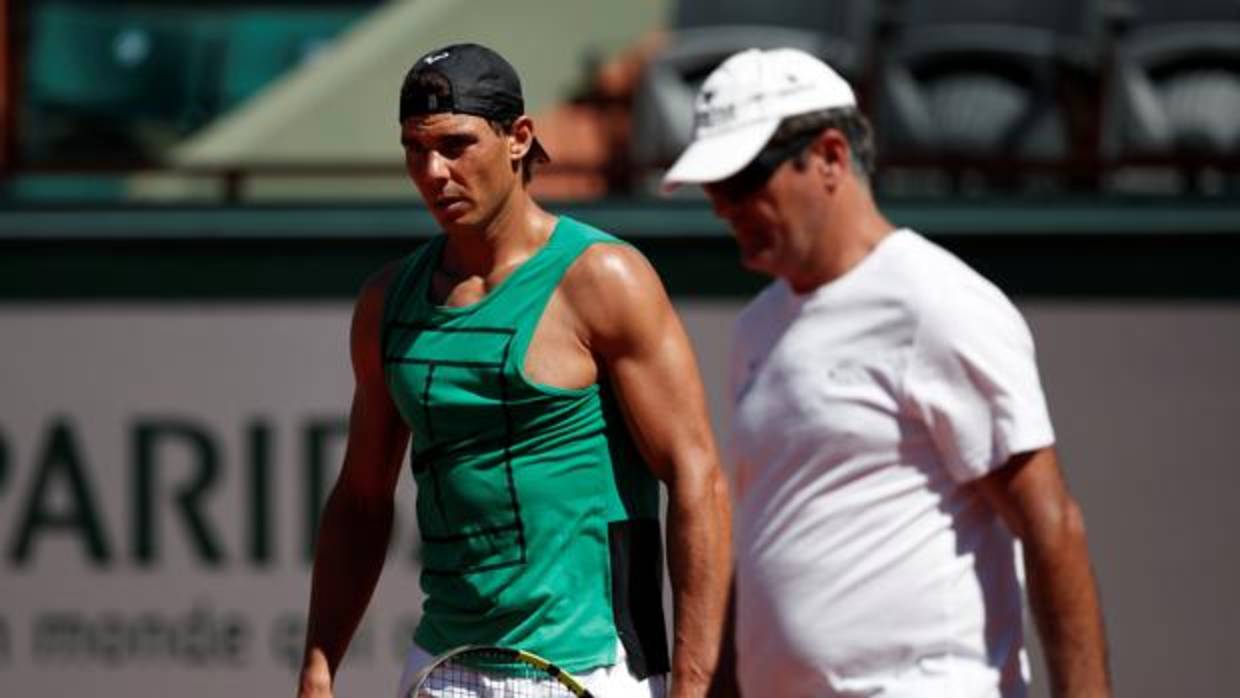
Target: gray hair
847	120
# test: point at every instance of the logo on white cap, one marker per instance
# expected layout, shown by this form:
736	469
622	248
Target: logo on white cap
742	103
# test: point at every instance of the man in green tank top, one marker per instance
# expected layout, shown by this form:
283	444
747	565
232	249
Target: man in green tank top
537	373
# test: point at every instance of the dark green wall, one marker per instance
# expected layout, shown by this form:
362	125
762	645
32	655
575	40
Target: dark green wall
1061	248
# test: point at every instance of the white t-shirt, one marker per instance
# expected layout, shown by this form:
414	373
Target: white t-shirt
865	565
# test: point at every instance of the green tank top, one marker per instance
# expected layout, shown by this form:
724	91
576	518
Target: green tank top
538	518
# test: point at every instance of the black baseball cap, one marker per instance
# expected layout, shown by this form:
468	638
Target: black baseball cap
465	79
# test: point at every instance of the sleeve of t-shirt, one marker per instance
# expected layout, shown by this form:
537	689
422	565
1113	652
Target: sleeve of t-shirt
973	380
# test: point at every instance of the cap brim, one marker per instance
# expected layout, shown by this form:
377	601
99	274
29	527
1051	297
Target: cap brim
720	156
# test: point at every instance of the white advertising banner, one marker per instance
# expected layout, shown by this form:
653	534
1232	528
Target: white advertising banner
161	468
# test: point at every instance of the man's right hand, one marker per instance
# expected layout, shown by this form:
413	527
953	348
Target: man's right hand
316	676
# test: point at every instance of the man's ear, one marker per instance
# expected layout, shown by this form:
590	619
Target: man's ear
831	156
521	137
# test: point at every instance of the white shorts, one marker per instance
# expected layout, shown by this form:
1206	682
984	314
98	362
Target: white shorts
613	681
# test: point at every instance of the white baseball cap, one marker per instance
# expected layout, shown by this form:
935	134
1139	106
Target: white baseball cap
742	103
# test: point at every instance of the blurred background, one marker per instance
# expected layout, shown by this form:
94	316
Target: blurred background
192	192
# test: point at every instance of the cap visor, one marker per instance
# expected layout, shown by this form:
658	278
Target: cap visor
718	157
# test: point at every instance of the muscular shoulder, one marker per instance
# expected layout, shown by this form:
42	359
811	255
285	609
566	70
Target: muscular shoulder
608	266
370	299
367	327
612	290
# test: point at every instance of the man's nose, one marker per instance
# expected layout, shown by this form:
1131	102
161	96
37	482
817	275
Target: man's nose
436	166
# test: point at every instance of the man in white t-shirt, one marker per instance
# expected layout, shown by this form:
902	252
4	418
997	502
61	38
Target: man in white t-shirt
890	436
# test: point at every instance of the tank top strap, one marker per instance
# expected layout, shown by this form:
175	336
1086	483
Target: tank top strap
533	286
517	304
406	282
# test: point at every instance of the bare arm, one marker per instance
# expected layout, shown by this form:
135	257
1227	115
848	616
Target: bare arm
357	520
725	682
632	328
1029	493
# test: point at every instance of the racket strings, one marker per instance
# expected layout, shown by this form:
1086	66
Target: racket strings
460	677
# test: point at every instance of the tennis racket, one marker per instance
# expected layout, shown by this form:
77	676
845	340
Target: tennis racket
473	671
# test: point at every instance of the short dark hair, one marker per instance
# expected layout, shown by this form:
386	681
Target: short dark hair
847	120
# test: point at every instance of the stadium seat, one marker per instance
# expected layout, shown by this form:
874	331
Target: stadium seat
1175	82
989	84
111	84
118	82
848	21
104	62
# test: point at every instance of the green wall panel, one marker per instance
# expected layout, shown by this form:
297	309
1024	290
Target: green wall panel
1056	250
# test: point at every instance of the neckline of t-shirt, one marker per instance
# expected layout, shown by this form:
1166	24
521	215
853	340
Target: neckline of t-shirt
849	277
458	310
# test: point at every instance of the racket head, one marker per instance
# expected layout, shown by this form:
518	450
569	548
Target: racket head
472	669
